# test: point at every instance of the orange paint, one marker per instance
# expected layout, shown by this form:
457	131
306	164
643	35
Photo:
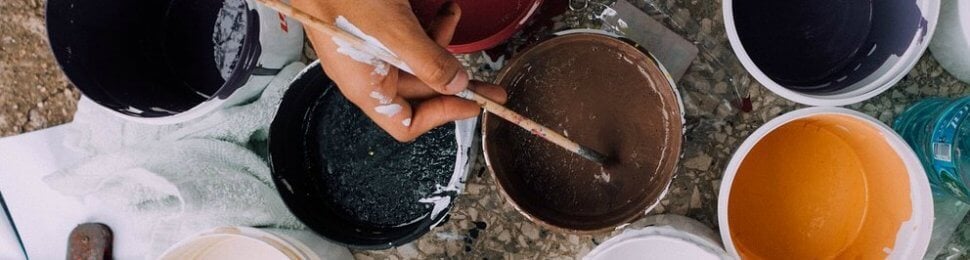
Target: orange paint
821	187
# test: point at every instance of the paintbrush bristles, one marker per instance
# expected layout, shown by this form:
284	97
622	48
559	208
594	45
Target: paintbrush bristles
386	56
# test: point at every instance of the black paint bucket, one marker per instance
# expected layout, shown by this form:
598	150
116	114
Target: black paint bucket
168	61
829	52
351	182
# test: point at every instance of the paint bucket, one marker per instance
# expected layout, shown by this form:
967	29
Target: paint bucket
951	42
662	237
606	93
169	61
825	183
350	181
484	23
253	243
829	53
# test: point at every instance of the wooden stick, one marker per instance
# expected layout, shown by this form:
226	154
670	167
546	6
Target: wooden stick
488	104
532	126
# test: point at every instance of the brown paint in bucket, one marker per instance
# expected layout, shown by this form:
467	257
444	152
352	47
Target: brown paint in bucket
824	185
604	93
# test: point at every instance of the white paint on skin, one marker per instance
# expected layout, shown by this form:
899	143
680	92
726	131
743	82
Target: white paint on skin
406	122
388	110
346	48
381	98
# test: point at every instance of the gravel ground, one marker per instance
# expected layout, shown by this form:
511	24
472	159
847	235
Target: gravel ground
34	94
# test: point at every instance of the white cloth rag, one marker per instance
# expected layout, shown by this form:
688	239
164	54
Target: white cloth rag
169	182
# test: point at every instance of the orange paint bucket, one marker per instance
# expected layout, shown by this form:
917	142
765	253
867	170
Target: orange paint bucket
825	183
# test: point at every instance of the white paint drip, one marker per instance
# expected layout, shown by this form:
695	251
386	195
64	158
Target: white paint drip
440	203
204	95
287	184
388	110
607	13
603	176
440	198
134	110
449	236
464	134
406	122
415	220
381	98
158	109
622	24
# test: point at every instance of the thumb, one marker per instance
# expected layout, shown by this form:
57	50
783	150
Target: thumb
437	68
430	62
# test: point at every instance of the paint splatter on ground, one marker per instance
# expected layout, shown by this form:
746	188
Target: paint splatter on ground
371	176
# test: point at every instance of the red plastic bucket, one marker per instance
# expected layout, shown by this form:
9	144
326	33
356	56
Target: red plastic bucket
484	23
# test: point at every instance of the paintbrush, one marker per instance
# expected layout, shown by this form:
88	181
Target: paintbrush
487	104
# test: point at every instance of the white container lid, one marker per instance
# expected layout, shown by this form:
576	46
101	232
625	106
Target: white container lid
657	242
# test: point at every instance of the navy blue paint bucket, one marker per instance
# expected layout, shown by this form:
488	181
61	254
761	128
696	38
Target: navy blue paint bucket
829	52
350	181
168	61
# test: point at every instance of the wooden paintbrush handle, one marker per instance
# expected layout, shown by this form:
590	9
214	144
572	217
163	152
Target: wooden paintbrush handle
531	126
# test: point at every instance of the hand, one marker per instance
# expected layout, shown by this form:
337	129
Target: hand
383	92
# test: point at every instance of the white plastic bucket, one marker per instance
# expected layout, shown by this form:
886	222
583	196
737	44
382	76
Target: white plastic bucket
951	42
171	61
663	237
252	243
912	235
876	76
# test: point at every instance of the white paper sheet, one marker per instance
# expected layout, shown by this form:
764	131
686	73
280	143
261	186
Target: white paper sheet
44	217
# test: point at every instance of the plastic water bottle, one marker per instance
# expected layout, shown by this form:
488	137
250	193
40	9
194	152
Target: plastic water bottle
938	129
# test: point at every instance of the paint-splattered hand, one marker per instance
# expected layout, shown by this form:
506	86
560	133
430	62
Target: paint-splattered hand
403	104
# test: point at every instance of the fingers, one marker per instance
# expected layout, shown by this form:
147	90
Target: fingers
490	91
397	118
412	88
437	111
386	96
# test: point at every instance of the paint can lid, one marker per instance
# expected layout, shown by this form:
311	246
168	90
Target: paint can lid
657	242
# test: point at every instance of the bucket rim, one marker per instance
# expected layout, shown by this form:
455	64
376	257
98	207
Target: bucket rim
285	245
675	160
216	101
281	165
930	10
913	236
500	36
